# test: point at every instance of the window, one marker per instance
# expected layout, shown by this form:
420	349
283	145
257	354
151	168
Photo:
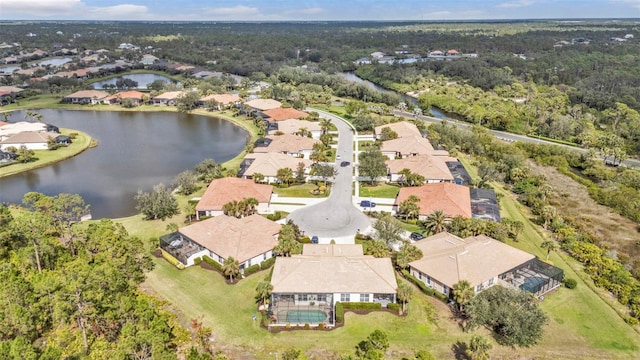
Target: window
302	297
264	256
345	297
364	297
428	279
490	282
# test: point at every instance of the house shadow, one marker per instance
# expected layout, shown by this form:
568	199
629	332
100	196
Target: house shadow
459	350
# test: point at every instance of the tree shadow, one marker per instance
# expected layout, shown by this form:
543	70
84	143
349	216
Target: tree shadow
459	350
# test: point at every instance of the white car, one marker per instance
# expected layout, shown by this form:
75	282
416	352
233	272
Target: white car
338	157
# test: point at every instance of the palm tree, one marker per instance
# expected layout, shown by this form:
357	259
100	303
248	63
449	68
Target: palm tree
405	291
462	293
406	174
263	291
550	246
479	348
251	204
409	207
435	222
285	175
258	177
230	267
325	125
376	248
547	214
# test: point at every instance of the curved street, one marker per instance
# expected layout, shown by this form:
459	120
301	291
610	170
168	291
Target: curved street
336	218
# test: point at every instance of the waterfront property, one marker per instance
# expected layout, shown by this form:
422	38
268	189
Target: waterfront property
86	97
484	262
250	240
228	189
222	101
279	114
293	145
268	165
306	287
295	127
169	98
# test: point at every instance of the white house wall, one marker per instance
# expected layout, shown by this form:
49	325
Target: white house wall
30	146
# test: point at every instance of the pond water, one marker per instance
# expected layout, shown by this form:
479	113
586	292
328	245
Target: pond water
136	150
142	79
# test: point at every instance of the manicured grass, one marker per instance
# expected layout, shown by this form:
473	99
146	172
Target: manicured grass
47	157
302	190
381	190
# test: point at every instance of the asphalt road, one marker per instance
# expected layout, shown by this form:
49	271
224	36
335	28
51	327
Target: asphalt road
335	218
507	136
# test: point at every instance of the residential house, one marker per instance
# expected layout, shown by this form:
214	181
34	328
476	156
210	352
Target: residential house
293	145
10	129
433	168
136	97
326	274
409	146
8	94
225	190
293	126
482	261
148	59
268	165
32	140
453	200
86	97
223	101
7	157
263	104
279	114
404	129
169	98
249	240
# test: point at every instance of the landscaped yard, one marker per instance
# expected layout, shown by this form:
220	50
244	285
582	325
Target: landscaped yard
381	190
302	190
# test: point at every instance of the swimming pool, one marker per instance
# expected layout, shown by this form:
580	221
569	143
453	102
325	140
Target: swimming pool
305	316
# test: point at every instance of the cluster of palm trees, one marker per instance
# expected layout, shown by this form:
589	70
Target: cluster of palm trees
242	208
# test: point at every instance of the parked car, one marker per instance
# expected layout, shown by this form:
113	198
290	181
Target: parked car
314	239
416	236
367	203
338	157
344	163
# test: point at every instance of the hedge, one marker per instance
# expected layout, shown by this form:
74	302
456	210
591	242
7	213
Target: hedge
172	259
267	263
209	261
442	297
339	313
394	307
252	269
361	306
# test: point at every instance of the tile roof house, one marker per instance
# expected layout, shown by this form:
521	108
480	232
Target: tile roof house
409	146
169	98
263	104
268	165
9	129
433	168
454	200
86	97
32	140
328	273
137	97
404	129
293	126
223	100
482	261
250	240
279	114
294	145
224	190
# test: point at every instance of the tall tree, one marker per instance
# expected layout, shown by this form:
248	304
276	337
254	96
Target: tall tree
157	204
409	208
285	175
372	164
405	292
263	291
479	347
230	267
435	222
550	246
462	293
388	229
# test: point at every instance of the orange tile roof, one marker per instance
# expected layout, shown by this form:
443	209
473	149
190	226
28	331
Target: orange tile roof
136	95
453	200
284	114
225	190
228	236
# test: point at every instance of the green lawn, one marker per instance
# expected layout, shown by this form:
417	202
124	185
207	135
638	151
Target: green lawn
47	157
302	190
381	190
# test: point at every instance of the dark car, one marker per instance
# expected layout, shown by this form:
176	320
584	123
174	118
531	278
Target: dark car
367	203
314	239
344	163
416	236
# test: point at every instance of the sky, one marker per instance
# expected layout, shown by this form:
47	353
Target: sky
309	10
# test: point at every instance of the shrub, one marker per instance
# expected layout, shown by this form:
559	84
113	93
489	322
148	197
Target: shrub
361	306
214	265
268	263
275	216
339	313
321	326
197	261
570	283
307	326
251	269
631	320
305	240
73	135
394	307
172	259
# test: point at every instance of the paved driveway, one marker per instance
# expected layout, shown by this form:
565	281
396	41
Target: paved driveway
335	218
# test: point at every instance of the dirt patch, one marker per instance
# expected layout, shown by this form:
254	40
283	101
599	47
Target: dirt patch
616	233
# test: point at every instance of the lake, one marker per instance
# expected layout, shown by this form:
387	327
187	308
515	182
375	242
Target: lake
136	150
142	79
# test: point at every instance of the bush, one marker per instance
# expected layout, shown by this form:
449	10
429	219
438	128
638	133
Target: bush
252	269
197	261
275	216
307	326
631	320
321	326
172	259
214	265
268	263
305	240
394	307
361	306
339	313
570	283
